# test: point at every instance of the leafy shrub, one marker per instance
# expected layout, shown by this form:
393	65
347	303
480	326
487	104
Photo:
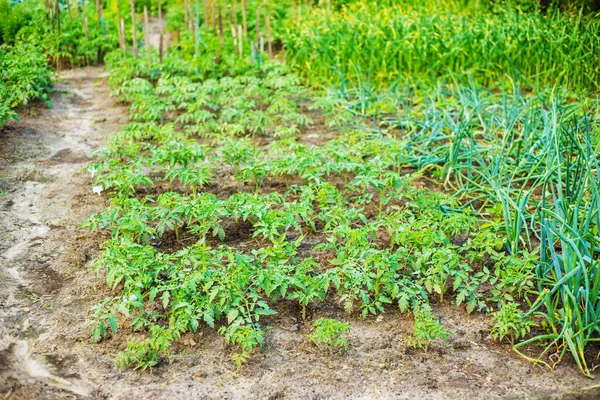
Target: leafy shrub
24	75
15	17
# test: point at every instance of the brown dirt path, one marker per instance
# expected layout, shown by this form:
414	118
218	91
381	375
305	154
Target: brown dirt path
47	289
46	196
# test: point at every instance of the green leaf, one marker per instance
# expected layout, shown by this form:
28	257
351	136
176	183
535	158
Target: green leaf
232	315
112	321
208	318
153	293
165	299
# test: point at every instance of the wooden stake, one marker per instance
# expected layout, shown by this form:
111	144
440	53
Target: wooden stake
235	13
221	35
240	41
269	37
213	16
258	27
233	25
244	19
58	19
69	10
232	21
123	40
119	25
98	11
85	21
186	22
205	5
133	29
147	36
197	28
51	13
234	36
76	9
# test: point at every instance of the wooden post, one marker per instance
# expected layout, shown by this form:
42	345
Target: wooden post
205	5
58	19
68	4
213	16
235	13
240	41
185	13
133	29
197	29
119	25
232	20
51	14
244	19
124	41
269	37
76	9
147	36
98	12
221	36
234	36
85	20
162	32
258	28
233	25
219	23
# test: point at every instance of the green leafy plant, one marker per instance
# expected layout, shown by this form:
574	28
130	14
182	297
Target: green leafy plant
330	334
427	328
510	322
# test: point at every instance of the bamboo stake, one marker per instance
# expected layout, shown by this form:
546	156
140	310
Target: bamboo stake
133	29
76	9
244	19
147	36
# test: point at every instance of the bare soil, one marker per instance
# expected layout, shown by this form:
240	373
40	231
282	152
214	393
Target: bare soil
47	290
